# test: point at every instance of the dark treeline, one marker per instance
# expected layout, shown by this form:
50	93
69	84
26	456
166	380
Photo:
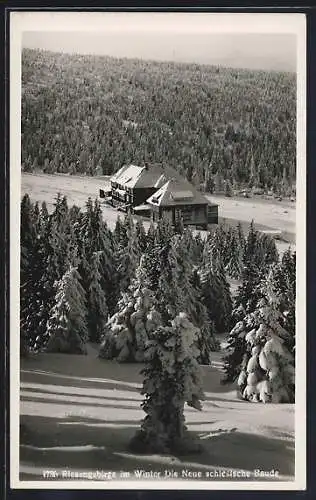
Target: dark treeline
223	129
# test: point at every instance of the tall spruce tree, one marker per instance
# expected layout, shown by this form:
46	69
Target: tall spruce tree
240	236
128	253
215	290
172	378
95	237
43	217
245	302
97	309
150	236
269	250
66	328
141	235
28	237
57	251
206	340
215	243
128	331
285	285
178	291
234	262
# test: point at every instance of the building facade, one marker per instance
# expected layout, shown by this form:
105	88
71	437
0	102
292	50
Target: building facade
179	200
156	191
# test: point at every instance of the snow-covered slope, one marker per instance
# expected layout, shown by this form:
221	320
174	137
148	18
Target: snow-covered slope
78	413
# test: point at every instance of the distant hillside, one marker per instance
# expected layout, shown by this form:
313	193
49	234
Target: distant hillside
225	128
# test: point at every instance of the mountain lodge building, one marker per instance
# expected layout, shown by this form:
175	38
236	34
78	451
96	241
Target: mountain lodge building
157	191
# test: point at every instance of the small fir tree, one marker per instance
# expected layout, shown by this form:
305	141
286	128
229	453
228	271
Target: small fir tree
172	378
66	328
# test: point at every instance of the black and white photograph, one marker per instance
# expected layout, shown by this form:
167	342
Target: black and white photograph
157	254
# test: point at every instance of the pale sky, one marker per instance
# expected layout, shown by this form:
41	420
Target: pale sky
271	51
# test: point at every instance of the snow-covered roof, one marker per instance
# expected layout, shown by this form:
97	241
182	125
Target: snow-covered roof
182	195
177	192
119	173
150	175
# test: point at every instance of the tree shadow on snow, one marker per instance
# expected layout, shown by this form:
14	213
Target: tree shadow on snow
47	441
105	445
83	367
50	392
233	449
81	404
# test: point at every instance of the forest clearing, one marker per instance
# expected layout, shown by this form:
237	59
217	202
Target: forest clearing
267	214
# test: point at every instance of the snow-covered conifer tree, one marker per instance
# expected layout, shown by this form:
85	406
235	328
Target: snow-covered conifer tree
215	243
172	378
150	237
94	236
179	291
128	256
66	327
74	214
269	250
215	290
267	372
245	302
179	225
141	235
240	236
36	216
285	286
97	310
28	235
234	262
164	231
127	332
43	217
206	340
259	250
28	274
198	251
120	233
60	209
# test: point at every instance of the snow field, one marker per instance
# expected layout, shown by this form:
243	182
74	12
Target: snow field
81	412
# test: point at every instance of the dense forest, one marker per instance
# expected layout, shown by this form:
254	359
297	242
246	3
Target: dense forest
224	129
132	292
